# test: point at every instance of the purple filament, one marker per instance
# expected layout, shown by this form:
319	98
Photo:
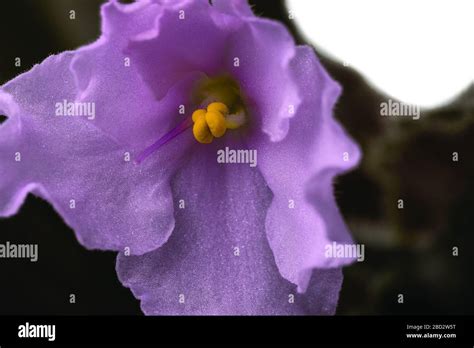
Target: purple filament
180	128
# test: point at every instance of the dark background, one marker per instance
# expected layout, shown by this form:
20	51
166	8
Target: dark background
408	251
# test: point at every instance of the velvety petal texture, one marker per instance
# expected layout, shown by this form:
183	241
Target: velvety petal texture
194	236
108	201
84	165
12	187
126	109
303	218
218	261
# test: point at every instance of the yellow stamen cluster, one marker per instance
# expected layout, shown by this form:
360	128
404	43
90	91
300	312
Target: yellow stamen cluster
210	123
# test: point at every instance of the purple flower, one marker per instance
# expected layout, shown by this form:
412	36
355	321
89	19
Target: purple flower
105	134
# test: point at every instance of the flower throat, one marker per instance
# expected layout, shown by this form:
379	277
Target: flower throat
221	109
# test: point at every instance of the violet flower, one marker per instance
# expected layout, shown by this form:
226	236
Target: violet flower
105	134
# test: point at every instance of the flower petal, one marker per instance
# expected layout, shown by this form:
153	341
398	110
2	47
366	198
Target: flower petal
234	7
264	49
303	217
126	108
110	202
217	260
225	38
185	41
12	185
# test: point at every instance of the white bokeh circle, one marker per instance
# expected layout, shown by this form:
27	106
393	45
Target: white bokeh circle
419	51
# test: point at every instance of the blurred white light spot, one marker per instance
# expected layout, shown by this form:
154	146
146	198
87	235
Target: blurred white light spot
419	51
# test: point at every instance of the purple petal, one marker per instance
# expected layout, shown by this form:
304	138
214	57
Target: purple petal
110	203
234	7
264	49
200	264
186	40
126	108
79	164
13	187
303	217
225	38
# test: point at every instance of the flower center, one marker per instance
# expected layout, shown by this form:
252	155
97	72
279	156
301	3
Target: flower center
222	108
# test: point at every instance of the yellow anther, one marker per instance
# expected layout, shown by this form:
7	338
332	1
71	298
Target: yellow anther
199	113
216	122
219	107
201	131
